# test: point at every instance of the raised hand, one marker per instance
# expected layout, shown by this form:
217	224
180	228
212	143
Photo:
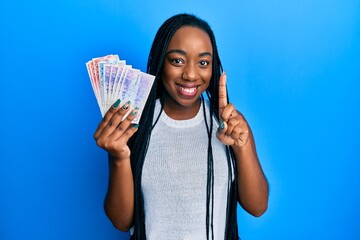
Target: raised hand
113	133
233	129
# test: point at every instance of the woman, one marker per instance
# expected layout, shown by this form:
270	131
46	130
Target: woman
180	173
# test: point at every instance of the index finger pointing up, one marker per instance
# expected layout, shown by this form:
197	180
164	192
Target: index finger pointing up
222	92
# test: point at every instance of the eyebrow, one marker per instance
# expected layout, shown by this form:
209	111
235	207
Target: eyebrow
182	52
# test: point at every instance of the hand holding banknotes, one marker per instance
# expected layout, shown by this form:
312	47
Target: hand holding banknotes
115	82
113	133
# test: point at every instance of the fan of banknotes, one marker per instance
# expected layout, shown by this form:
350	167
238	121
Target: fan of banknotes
112	79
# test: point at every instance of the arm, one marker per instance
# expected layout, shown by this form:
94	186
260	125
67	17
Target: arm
112	135
234	131
252	185
119	200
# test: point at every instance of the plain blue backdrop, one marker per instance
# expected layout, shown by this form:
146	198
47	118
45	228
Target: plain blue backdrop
293	70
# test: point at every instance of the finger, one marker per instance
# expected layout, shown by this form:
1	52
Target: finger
232	123
220	133
228	112
222	92
236	132
116	120
243	138
123	127
235	120
119	116
106	119
225	139
130	132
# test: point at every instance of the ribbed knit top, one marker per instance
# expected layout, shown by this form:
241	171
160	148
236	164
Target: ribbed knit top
174	179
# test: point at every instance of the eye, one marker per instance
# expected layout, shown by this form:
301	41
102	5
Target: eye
176	61
204	63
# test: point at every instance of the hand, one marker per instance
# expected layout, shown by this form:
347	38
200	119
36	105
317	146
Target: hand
233	129
113	133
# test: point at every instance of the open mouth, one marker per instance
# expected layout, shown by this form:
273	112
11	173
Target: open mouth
188	91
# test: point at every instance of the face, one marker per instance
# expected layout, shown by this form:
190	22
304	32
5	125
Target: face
187	68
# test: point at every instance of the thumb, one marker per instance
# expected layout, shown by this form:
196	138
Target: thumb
220	133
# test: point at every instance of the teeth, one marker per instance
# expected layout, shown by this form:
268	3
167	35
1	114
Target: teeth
188	90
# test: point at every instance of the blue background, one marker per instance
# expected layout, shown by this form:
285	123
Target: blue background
293	70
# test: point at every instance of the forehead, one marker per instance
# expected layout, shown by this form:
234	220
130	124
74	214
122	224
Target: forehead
191	38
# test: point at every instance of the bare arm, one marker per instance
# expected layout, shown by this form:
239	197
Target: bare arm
112	135
253	188
119	200
234	130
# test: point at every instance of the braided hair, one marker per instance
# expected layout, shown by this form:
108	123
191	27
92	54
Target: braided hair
139	142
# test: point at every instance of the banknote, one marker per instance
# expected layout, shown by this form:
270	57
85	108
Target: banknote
113	73
145	82
118	80
128	90
93	70
103	75
112	79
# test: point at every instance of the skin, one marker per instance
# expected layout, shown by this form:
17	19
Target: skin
112	135
253	190
186	75
188	64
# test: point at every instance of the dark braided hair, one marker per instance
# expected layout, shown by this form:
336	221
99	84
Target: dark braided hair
139	142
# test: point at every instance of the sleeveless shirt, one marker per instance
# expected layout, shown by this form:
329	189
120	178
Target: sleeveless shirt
174	178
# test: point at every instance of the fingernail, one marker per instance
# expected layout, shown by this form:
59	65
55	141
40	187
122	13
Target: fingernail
134	112
126	105
222	126
224	72
136	126
116	104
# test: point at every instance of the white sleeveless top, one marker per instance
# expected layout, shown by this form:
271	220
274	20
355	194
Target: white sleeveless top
174	179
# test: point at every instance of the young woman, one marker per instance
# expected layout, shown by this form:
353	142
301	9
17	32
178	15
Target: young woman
180	173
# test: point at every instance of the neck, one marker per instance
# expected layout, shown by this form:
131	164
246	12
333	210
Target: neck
179	112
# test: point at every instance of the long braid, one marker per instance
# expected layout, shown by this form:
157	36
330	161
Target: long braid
231	231
140	141
138	152
210	178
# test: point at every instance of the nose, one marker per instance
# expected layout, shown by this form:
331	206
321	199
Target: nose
190	72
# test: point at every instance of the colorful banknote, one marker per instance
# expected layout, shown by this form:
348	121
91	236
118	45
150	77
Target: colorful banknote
112	79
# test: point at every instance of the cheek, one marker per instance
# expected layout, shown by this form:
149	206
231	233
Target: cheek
169	72
206	75
164	74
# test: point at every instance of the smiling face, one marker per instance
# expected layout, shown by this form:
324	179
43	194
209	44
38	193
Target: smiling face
186	71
